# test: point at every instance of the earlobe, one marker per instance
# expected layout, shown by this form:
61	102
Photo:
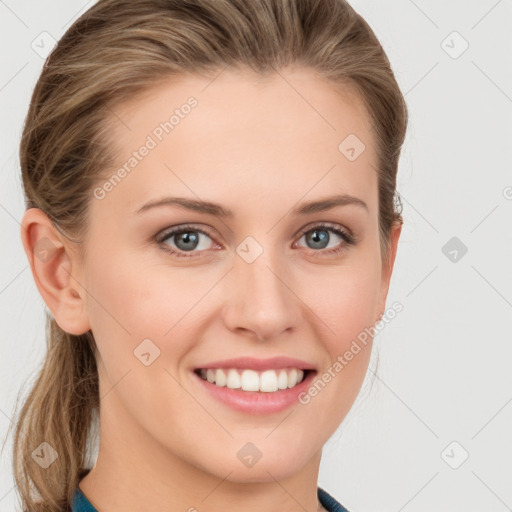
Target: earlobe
53	265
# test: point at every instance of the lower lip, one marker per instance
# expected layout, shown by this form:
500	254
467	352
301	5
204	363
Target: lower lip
257	402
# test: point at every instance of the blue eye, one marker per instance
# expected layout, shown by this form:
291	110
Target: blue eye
319	237
188	238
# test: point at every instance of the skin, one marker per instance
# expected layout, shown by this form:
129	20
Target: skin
258	148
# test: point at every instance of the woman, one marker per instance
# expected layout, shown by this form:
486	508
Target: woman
211	221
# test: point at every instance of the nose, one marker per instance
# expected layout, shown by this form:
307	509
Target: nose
261	299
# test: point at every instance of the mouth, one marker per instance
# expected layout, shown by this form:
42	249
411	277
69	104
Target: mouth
249	380
255	392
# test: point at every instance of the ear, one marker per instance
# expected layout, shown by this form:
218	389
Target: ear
387	266
54	263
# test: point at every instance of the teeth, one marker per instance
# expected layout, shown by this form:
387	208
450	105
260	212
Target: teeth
220	378
282	380
250	380
233	381
267	381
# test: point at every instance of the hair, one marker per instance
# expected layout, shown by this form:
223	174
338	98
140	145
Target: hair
120	48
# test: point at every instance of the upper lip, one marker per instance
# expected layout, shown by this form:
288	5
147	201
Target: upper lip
260	364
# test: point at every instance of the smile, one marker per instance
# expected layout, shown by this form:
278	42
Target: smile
267	381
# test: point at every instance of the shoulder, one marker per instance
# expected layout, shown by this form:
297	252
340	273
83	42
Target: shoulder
81	503
330	503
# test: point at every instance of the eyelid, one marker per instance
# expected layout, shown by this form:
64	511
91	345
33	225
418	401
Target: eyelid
328	225
165	233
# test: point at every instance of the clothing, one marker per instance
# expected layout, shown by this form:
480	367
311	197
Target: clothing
82	504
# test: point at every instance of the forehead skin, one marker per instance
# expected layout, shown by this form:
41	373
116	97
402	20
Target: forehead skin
253	144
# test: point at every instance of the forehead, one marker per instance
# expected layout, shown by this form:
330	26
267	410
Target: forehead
240	135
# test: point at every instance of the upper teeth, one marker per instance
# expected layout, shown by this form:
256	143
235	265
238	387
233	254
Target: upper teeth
251	380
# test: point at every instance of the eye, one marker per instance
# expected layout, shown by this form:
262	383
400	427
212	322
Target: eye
186	240
318	237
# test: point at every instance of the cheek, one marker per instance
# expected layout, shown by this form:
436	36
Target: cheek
343	308
344	300
136	297
131	301
139	319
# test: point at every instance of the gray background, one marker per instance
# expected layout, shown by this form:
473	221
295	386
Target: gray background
444	372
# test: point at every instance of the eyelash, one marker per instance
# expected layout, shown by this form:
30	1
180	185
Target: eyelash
348	238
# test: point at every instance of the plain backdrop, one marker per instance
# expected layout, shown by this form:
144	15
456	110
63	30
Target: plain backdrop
434	431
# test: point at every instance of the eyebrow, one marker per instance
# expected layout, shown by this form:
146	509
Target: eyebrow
217	210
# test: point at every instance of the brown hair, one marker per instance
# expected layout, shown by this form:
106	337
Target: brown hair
115	50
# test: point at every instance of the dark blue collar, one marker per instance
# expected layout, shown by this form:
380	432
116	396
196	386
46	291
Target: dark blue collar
82	504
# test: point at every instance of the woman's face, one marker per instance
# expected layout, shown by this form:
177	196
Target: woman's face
259	283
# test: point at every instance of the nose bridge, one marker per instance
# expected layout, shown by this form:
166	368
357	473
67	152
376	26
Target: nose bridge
263	302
